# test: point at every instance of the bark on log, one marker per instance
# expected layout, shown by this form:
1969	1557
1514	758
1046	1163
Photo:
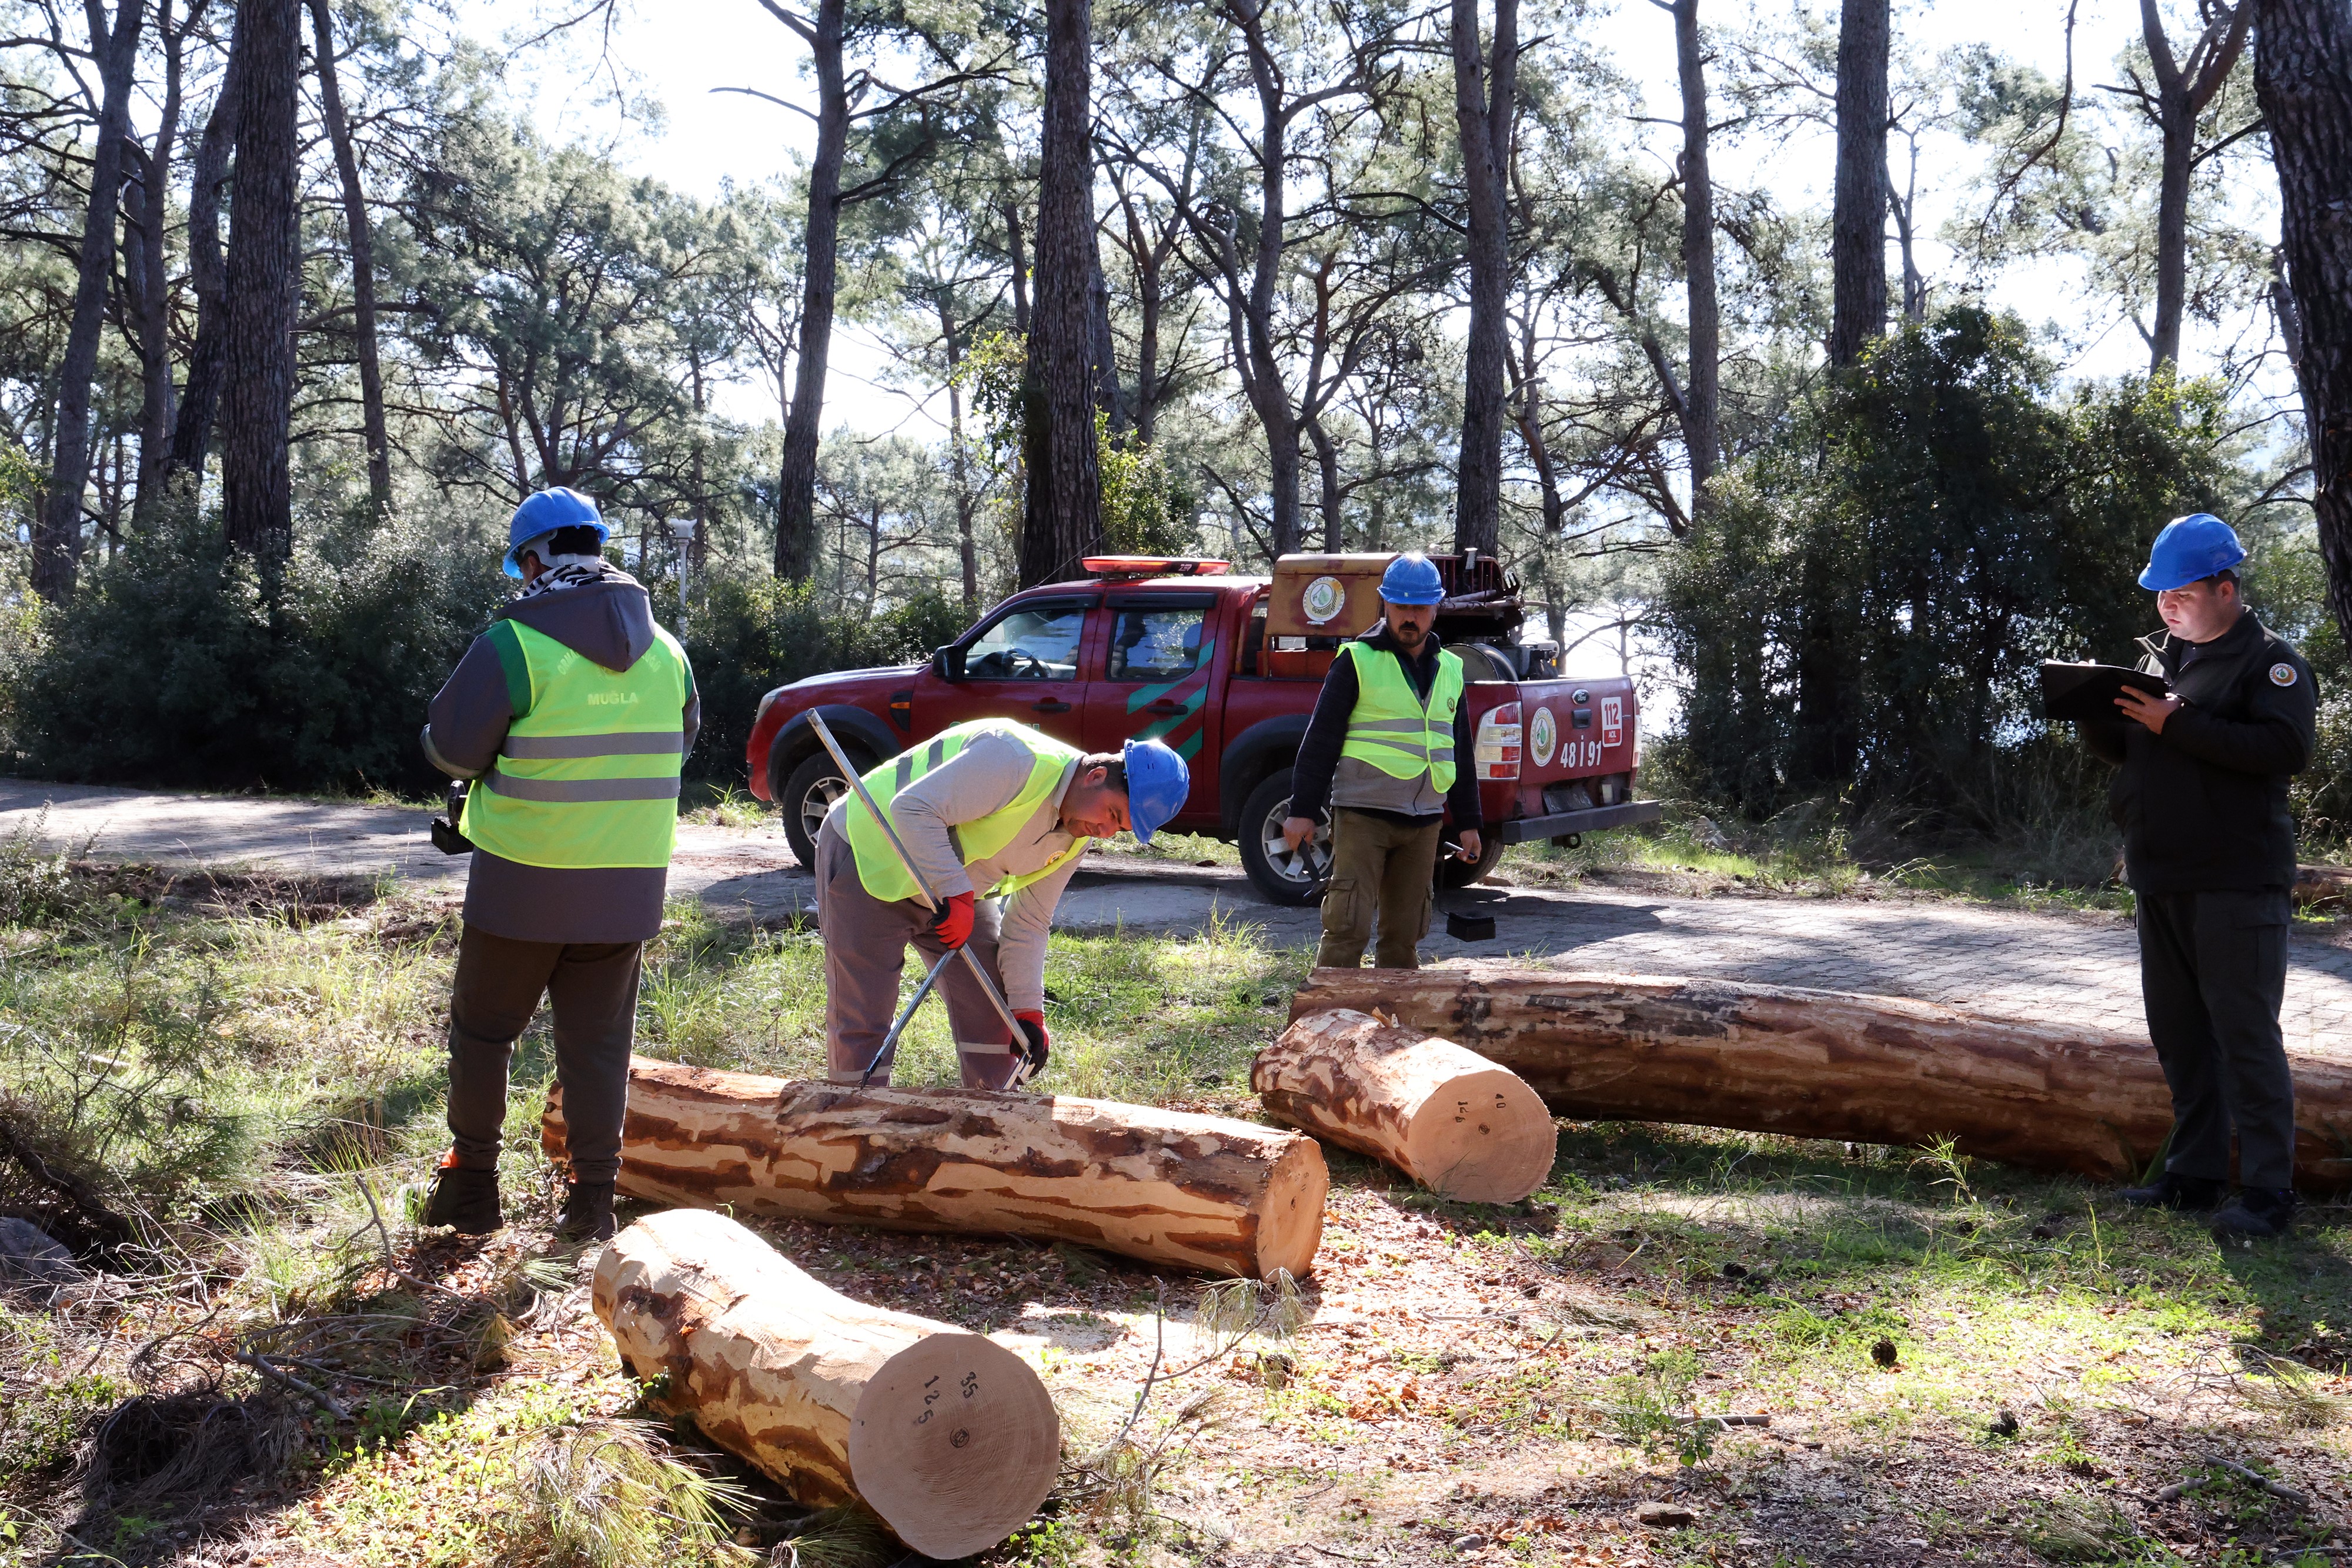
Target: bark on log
1449	1118
1167	1186
948	1437
1824	1064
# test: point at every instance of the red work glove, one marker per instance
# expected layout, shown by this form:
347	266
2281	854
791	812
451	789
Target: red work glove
952	920
1038	1045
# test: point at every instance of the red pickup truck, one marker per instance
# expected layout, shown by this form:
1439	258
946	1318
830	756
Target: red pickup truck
1226	669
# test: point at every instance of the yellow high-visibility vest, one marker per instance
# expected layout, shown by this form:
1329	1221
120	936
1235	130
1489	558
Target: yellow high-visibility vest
1395	731
879	866
587	776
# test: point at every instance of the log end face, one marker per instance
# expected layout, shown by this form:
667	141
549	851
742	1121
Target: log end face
1290	1214
1483	1137
954	1445
553	1139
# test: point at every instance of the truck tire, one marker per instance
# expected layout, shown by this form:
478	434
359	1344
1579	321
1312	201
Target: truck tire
1282	877
808	793
1452	872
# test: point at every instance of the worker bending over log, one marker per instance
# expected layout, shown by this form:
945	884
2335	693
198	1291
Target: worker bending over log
2209	848
572	714
1386	747
991	812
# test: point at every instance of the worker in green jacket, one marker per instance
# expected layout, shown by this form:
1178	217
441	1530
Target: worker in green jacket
572	716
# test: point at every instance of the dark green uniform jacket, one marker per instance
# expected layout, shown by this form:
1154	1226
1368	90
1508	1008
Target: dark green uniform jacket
2203	805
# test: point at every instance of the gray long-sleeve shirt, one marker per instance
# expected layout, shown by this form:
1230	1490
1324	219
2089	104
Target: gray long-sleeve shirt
982	779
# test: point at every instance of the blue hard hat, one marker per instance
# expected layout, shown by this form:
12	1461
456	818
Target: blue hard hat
542	514
2190	549
1157	783
1411	580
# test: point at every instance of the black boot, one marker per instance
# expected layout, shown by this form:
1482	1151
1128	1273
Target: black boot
2172	1191
467	1201
587	1212
2257	1211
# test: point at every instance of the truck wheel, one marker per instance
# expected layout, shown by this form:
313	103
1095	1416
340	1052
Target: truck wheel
1452	872
1274	870
807	795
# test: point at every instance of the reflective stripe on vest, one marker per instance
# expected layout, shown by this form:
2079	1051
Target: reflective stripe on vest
584	745
1392	729
879	869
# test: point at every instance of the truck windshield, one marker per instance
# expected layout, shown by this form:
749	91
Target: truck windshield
1029	644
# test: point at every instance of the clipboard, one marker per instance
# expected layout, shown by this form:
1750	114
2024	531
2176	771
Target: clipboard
2089	691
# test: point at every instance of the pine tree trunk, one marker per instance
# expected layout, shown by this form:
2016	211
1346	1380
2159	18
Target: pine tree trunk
1484	106
2303	76
147	276
2181	95
57	533
1702	435
361	240
2045	1095
1455	1121
796	535
1196	1192
264	280
946	1436
1061	510
207	278
1858	209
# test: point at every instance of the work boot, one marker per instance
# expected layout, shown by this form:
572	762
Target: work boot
587	1212
467	1201
2256	1211
2174	1191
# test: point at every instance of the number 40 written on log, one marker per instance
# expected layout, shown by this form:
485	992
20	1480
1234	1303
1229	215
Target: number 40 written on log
970	1386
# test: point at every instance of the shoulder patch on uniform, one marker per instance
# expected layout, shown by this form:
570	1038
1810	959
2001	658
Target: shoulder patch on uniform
2282	674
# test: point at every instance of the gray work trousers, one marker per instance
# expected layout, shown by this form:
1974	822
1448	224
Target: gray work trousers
866	942
1377	867
593	987
2212	970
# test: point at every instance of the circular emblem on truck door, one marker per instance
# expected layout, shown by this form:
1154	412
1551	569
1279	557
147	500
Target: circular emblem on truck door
1543	734
2282	674
1324	599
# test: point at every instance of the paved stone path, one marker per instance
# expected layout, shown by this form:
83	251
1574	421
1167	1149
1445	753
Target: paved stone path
2078	968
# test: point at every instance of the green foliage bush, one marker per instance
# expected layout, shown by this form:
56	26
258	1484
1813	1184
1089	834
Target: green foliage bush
1862	611
181	662
751	635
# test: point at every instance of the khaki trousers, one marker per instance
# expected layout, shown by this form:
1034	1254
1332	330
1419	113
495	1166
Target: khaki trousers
866	943
593	987
1377	867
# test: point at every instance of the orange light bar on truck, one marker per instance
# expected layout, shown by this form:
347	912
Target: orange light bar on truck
1153	566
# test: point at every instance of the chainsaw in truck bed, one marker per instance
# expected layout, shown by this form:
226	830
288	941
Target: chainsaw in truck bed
1226	669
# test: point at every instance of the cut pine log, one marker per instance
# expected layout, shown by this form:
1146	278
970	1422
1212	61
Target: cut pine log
945	1435
1825	1064
1449	1118
1167	1186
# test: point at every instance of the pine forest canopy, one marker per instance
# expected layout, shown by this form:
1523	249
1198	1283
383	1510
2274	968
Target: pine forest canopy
291	297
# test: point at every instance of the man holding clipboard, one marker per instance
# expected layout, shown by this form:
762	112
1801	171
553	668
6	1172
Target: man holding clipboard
2219	715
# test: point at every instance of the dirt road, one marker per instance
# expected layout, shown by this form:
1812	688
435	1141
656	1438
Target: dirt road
2083	967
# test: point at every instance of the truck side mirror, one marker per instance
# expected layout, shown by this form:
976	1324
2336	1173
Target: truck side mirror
948	663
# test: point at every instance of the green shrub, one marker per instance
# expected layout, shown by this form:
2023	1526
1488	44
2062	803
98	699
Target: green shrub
1862	612
752	635
181	662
